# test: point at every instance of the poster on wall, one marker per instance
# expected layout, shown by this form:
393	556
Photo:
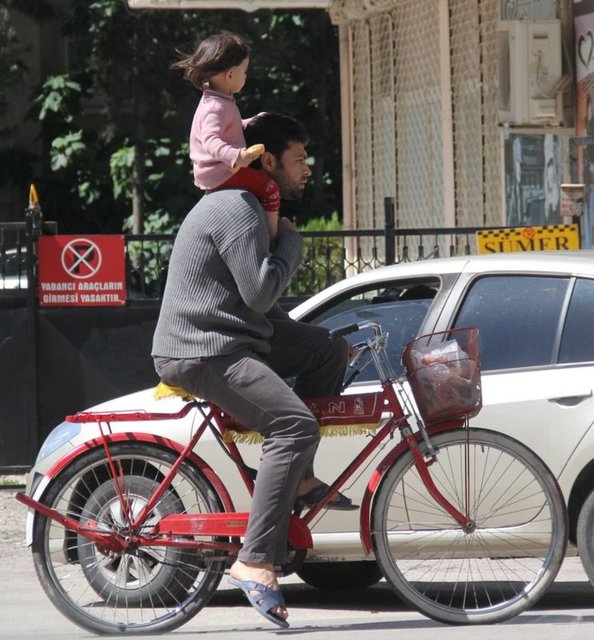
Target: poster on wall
533	172
584	60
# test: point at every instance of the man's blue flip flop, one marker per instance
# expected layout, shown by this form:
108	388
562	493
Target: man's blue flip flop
264	600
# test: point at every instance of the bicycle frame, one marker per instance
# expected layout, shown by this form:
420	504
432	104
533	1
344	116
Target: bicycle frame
232	524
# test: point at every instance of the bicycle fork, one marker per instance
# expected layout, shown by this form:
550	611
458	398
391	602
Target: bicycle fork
468	525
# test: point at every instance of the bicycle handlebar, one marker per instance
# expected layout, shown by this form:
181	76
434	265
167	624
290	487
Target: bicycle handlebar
353	327
343	331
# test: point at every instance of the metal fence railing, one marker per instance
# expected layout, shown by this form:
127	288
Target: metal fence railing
13	255
329	256
18	252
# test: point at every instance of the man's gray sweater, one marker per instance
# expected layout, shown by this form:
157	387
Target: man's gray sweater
223	279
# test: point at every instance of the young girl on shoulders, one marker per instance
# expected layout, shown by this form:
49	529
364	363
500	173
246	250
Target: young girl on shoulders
218	150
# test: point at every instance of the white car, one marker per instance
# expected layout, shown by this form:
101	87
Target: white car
534	313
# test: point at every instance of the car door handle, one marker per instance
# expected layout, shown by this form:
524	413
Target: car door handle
571	401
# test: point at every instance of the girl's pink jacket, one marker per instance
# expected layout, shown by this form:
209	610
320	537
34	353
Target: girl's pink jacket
215	139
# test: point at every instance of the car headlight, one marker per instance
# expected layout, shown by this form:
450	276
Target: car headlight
59	436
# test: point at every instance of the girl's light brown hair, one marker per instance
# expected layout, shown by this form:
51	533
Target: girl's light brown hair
217	53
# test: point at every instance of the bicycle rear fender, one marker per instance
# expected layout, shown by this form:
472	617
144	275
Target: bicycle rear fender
376	478
137	437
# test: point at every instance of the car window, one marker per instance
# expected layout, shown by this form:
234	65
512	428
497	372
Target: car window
14	261
13	268
577	342
517	317
399	309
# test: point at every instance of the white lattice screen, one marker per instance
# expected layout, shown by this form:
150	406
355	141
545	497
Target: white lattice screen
477	138
418	126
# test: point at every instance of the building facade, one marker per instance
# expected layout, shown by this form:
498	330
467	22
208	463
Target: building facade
434	106
464	112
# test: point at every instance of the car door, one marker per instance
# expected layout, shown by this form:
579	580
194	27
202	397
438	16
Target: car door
537	359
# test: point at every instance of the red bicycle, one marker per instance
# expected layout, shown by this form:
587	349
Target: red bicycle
135	531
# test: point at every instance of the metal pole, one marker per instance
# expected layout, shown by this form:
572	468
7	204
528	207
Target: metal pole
32	233
389	230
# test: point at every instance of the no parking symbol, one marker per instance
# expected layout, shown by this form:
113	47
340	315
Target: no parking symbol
82	271
81	258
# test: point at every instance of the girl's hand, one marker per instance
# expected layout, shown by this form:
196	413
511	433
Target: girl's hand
247	156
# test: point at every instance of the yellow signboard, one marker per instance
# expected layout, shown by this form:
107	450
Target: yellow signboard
557	237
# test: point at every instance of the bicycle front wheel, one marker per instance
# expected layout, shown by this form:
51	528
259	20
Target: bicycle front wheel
485	575
147	588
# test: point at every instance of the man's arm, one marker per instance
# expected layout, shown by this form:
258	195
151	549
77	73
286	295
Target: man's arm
262	276
276	312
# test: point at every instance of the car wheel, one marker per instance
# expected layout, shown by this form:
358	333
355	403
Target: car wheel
147	575
585	536
337	576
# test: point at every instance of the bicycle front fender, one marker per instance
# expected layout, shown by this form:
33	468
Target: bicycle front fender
375	481
41	486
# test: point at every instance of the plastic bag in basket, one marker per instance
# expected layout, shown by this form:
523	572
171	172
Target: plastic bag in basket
445	380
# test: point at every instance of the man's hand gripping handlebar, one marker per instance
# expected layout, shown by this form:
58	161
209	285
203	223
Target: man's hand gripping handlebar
375	347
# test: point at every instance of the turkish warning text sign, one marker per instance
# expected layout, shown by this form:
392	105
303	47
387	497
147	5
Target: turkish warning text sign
557	237
82	271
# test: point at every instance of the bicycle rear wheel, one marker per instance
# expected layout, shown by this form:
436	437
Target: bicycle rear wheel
482	576
146	589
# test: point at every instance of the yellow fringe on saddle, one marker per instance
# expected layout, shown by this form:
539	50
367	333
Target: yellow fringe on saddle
163	390
329	431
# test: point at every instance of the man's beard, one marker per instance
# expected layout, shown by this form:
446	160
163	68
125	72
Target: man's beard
288	191
293	194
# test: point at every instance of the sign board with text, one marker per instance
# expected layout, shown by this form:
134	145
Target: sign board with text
556	237
82	271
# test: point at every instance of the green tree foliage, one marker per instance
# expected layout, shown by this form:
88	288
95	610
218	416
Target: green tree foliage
11	66
116	125
15	162
323	258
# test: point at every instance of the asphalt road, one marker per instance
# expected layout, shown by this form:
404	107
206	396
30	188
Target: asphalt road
566	613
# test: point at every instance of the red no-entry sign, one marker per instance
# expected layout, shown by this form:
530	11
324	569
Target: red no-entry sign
82	271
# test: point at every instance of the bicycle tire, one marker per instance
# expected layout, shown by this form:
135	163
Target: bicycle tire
585	536
146	590
483	576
